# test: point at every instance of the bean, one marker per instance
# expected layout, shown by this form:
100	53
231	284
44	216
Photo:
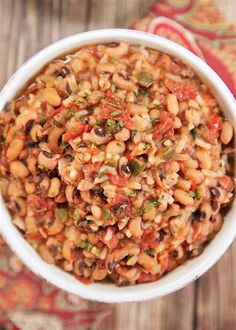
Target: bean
77	65
29	187
123	135
45	160
175	166
150	214
30	224
53	138
204	159
115	147
184	184
118	51
36	132
54	188
194	174
96	212
206	210
25	116
56	227
137	109
226	133
69	193
51	96
45	254
183	197
14	149
191	163
123	83
19	170
135	227
99	274
149	263
172	104
105	67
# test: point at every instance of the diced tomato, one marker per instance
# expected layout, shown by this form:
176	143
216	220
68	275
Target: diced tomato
129	123
57	111
121	206
183	91
215	122
95	54
164	127
193	185
147	277
76	130
149	240
118	180
227	183
34	237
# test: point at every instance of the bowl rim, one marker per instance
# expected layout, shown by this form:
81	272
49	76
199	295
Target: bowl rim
177	278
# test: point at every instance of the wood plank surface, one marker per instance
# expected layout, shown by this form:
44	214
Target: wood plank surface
26	26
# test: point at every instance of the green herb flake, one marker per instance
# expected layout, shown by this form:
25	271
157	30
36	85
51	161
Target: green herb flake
113	105
111	122
121	124
64	145
156	120
113	87
153	203
193	134
86	245
145	79
196	194
136	94
16	133
116	113
121	208
59	248
4	142
107	215
74	216
134	132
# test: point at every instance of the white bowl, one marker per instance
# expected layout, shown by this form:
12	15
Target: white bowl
179	277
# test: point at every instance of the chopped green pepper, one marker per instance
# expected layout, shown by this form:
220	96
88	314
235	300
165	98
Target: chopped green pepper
145	79
168	152
135	167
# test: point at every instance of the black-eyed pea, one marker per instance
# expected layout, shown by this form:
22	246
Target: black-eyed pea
149	215
184	184
53	138
99	274
123	168
204	159
196	175
149	264
115	147
29	187
190	163
175	166
226	133
36	132
15	189
154	114
172	104
25	116
217	222
45	253
106	67
45	183
69	193
77	65
123	134
56	227
23	154
48	160
96	212
51	96
67	249
18	169
54	187
30	224
183	197
67	265
137	109
123	83
31	163
14	149
206	211
119	50
135	227
20	206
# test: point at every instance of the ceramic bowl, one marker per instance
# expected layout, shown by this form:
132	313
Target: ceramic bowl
182	275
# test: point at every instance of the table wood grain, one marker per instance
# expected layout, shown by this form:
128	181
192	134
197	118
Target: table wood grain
26	26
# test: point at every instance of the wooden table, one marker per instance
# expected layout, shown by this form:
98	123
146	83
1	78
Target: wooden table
27	26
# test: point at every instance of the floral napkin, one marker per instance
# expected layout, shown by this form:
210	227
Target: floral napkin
28	302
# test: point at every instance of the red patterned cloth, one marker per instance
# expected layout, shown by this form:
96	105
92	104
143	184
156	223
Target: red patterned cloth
199	26
27	302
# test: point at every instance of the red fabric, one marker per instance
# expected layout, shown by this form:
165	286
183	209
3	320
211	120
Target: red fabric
199	26
27	302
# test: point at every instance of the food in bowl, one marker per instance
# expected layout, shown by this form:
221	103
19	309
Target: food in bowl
115	163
